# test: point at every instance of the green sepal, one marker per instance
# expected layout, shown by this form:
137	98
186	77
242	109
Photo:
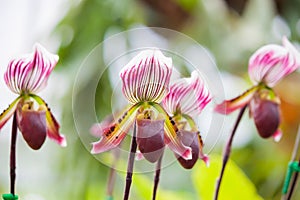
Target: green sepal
10	197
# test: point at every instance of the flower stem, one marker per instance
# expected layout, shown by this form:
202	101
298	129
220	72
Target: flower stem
227	151
156	177
295	176
13	155
130	163
112	174
294	181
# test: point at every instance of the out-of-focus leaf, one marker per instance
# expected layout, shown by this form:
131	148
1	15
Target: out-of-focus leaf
235	184
144	186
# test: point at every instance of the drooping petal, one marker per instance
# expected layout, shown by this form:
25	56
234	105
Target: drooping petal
113	135
228	106
271	63
32	124
7	113
98	128
146	77
266	115
172	136
187	95
52	124
30	72
150	138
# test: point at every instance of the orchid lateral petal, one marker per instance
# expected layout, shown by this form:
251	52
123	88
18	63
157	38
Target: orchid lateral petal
277	135
172	136
32	125
30	72
146	77
228	106
150	138
7	113
98	128
187	95
52	124
270	63
114	134
266	115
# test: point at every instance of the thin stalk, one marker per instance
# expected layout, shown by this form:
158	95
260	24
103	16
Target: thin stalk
156	177
130	163
112	174
13	155
294	181
227	151
295	176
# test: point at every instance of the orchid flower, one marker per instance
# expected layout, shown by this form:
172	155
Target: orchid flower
26	76
186	99
267	66
145	82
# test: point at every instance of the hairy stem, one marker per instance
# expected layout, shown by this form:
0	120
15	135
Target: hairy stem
130	163
13	155
227	151
156	177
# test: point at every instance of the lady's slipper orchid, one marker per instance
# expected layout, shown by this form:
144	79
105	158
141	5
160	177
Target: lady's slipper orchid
26	76
267	66
145	83
187	98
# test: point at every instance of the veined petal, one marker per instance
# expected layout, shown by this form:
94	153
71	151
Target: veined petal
115	133
30	72
7	113
188	96
146	77
172	136
271	63
228	106
52	124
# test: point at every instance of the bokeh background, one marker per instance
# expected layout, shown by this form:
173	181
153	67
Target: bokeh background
230	30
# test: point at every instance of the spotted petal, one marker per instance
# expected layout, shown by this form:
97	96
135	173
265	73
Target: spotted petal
146	77
271	63
188	96
7	113
114	134
52	124
171	136
30	72
228	106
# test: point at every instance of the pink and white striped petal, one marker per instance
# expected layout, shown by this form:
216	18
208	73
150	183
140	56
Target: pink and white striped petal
146	77
228	106
187	96
271	63
7	113
29	73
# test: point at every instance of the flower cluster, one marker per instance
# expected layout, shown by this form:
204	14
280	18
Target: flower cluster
26	76
163	113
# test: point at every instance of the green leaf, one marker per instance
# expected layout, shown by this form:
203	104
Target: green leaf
235	184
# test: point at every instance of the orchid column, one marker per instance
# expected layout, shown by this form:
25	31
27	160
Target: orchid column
26	76
267	66
145	83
